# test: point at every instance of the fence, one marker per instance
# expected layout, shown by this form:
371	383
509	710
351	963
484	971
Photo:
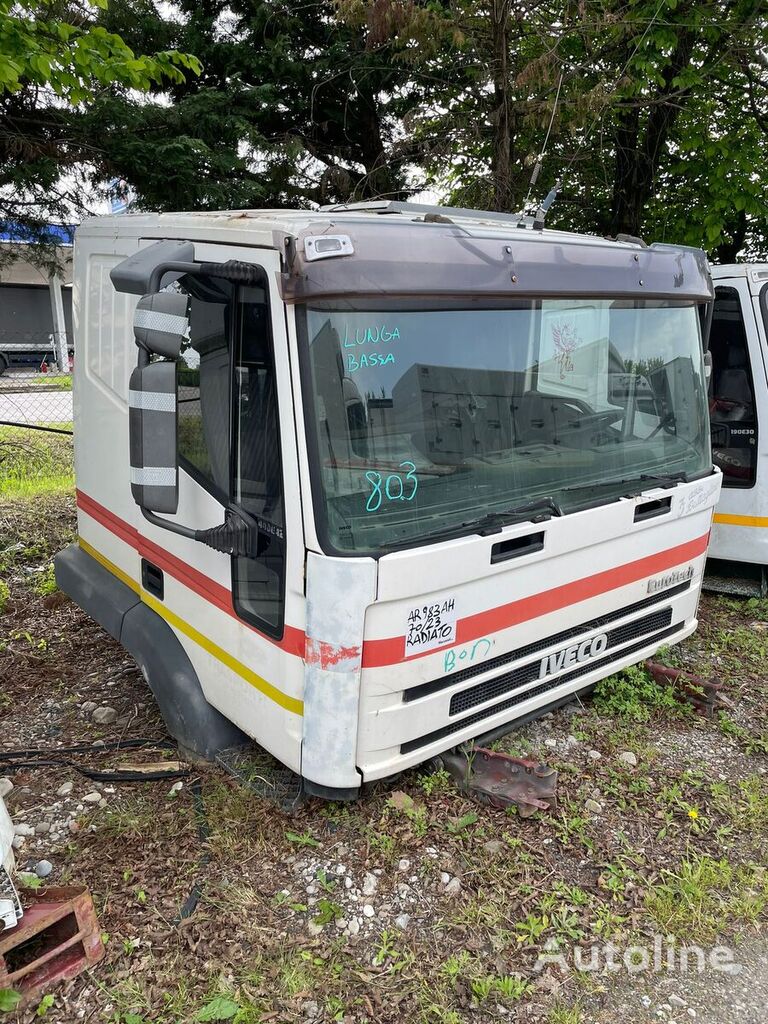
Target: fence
35	414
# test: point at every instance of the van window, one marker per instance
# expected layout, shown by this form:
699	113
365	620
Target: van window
731	393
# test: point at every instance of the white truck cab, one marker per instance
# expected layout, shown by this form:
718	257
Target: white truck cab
738	406
365	483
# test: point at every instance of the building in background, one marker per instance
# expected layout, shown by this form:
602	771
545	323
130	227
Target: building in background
35	304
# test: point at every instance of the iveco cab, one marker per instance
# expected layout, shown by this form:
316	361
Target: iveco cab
366	483
738	403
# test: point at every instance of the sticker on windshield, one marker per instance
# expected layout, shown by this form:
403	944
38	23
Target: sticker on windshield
430	626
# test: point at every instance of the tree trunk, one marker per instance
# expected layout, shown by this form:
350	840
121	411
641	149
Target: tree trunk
501	158
639	150
728	252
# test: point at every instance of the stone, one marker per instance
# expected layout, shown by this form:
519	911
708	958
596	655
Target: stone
677	1001
104	715
594	755
493	846
691	1013
22	829
453	888
402	921
353	927
571	741
445	877
370	884
42	827
92	798
368	910
43	868
88	707
18	842
74	825
627	757
404	864
5	787
311	1009
550	742
314	929
65	789
593	807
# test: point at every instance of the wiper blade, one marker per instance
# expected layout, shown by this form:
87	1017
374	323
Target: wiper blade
644	481
491	522
520	513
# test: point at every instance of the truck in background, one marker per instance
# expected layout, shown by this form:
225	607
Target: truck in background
738	346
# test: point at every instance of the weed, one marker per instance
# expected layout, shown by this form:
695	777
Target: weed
633	694
303	839
562	1014
457	828
4	595
439	781
327	912
46	584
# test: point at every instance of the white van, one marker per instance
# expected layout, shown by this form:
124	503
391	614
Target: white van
365	483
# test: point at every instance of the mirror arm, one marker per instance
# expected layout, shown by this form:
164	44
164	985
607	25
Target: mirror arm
235	536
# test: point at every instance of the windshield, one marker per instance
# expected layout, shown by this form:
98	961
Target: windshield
423	420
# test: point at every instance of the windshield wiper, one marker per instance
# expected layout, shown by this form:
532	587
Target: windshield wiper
643	482
491	522
520	513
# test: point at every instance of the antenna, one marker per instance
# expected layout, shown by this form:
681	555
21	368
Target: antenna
540	159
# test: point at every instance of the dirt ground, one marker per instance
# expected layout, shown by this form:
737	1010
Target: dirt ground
414	904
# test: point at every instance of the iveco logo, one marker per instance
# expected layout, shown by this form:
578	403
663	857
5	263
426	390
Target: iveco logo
573	655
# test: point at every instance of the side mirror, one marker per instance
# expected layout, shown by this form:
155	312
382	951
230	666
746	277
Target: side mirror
160	323
152	429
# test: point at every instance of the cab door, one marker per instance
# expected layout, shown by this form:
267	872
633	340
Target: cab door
738	398
241	620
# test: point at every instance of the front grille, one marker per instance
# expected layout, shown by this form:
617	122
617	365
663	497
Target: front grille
435	685
492	688
552	684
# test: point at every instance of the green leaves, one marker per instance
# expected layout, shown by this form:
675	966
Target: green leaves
9	1000
218	1008
74	60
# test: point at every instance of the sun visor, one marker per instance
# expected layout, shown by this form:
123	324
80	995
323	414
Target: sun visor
389	257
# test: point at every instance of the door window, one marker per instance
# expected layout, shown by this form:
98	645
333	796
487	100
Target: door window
229	439
731	393
258	475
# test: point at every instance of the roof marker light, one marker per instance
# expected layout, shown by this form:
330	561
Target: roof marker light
321	247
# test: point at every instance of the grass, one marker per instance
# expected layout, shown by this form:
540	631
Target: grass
34	463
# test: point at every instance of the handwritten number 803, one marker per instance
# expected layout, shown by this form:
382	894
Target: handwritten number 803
395	486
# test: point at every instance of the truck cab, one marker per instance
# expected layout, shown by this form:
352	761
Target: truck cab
738	402
363	484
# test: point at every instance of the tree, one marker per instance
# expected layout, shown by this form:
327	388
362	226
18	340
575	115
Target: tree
55	59
291	108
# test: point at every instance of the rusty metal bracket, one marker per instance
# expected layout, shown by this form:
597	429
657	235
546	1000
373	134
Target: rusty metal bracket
705	695
502	780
